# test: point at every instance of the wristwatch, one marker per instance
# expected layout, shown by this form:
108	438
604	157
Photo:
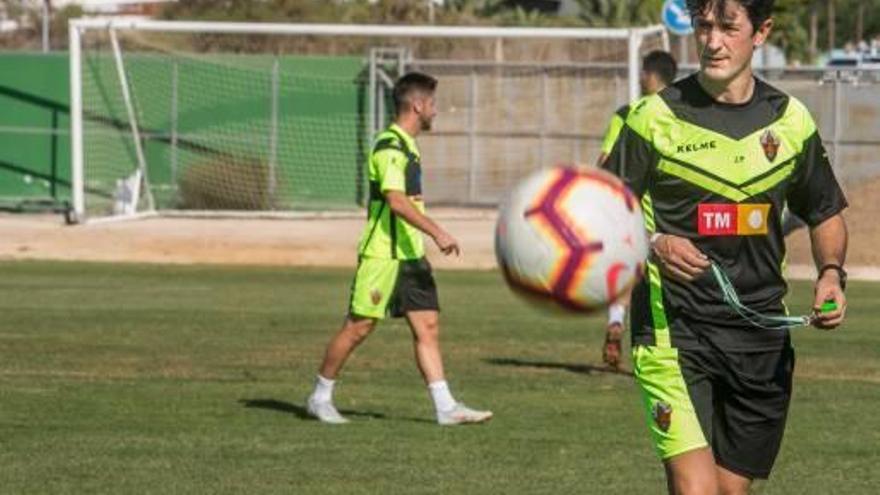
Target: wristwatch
841	273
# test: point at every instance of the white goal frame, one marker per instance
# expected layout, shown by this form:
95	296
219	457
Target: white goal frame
78	27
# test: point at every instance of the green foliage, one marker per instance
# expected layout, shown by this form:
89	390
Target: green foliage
790	29
619	13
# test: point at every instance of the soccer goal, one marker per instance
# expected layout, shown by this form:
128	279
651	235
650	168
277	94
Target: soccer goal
207	118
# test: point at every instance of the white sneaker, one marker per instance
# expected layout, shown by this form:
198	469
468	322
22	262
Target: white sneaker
461	414
325	412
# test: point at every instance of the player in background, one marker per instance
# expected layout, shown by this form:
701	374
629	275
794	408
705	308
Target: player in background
393	276
659	70
719	154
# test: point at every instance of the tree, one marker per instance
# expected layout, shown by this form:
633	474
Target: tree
619	13
790	23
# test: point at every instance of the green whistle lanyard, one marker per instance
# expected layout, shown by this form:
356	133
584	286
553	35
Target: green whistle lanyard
760	320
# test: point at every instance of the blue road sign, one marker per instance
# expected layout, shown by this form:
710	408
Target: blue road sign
676	17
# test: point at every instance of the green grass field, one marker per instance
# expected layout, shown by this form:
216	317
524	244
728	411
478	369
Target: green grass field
152	379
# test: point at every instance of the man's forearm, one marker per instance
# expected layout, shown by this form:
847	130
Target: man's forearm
401	205
829	240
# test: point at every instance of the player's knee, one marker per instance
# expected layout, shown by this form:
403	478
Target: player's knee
429	331
696	486
357	331
694	481
729	489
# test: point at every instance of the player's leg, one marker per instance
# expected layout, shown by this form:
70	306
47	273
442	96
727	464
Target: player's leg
353	332
730	483
320	402
425	326
692	473
677	397
371	292
751	416
426	342
612	349
416	298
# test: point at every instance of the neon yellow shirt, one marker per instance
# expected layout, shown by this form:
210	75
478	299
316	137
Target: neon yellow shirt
395	165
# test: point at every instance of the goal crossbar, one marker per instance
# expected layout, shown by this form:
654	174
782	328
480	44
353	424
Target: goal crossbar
423	31
79	27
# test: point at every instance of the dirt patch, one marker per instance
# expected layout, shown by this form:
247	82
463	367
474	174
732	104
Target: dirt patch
300	242
323	241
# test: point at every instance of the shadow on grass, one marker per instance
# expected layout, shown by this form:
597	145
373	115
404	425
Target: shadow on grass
584	369
302	413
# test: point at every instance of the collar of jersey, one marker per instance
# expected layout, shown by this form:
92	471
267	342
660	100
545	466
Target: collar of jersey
410	141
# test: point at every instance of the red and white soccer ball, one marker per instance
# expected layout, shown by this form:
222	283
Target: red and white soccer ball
571	238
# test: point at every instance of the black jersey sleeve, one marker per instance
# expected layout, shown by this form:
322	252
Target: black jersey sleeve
632	159
814	194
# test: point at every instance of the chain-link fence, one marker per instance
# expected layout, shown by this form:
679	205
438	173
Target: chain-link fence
498	122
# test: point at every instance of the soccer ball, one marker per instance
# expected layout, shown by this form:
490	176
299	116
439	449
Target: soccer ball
571	238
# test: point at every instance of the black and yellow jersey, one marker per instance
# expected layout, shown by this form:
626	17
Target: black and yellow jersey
720	175
395	165
614	127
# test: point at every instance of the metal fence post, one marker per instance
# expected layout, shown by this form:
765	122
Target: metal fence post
545	96
174	117
837	124
273	136
576	115
472	137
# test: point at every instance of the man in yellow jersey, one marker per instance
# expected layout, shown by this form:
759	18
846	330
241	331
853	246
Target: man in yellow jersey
719	155
659	70
393	276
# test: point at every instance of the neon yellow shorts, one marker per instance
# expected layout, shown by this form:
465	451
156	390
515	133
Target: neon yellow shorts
672	419
385	287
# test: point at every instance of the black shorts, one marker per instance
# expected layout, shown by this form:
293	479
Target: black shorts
741	400
735	402
415	289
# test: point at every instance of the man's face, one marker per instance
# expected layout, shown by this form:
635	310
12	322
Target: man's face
649	82
424	106
726	43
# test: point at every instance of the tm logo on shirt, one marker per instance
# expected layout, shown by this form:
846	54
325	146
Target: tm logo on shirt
725	219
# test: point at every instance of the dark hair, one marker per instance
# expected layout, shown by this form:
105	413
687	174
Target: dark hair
663	64
408	84
758	10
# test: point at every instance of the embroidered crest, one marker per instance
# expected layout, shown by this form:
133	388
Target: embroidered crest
376	296
662	415
770	142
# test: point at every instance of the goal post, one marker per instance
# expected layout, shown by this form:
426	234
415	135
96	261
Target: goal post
269	119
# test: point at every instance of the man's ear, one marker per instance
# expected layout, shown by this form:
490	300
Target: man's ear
763	32
417	103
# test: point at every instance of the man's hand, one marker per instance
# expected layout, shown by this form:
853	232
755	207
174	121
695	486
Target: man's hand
447	244
679	258
828	289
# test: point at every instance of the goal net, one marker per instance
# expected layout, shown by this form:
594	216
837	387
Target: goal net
267	119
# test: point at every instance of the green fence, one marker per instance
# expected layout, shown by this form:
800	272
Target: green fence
218	131
34	128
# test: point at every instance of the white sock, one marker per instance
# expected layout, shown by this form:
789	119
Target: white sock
323	389
441	395
616	314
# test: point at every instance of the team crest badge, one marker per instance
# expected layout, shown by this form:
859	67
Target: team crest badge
375	296
662	415
770	142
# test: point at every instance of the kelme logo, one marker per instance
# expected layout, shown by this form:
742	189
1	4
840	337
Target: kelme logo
692	147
